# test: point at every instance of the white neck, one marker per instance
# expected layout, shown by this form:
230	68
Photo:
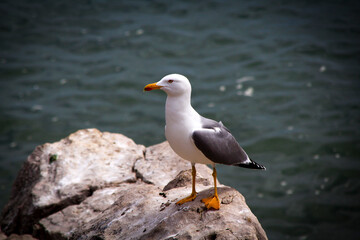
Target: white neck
178	108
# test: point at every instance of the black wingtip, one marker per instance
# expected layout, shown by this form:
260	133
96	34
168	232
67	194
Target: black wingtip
252	165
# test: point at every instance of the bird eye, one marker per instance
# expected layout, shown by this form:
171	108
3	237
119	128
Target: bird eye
170	81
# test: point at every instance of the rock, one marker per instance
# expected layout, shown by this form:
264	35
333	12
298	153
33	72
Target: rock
85	161
19	237
104	186
16	237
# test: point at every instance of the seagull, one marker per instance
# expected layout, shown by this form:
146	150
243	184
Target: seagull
196	138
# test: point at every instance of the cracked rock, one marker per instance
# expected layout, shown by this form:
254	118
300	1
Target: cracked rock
99	185
86	160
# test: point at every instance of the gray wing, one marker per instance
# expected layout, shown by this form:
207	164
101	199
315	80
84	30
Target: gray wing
216	143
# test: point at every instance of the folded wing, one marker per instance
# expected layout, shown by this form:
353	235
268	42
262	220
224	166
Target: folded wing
215	141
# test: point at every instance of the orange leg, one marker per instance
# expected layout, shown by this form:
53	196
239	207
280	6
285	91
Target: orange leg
213	202
193	193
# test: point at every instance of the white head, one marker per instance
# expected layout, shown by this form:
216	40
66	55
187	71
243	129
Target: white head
172	84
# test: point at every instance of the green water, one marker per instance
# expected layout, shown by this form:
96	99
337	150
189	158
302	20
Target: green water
282	76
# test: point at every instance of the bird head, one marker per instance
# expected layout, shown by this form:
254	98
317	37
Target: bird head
172	84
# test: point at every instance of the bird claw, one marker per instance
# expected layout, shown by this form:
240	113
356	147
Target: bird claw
212	202
187	199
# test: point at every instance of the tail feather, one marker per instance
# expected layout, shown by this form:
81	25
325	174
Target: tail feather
252	165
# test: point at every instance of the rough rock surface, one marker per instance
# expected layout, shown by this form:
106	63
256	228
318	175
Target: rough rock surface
99	185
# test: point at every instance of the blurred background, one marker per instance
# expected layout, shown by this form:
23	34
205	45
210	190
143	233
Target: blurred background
283	76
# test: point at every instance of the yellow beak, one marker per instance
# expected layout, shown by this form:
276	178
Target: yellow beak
151	86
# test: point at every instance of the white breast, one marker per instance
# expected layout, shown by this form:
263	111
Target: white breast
178	131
